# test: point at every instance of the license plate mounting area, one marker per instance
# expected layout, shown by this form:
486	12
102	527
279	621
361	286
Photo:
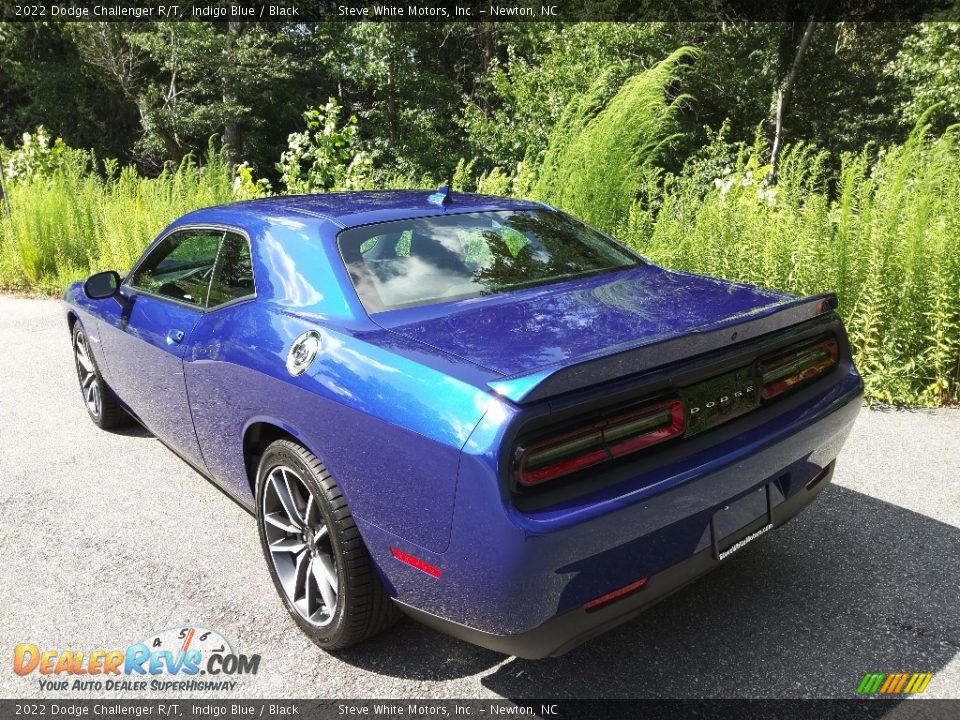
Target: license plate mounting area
742	521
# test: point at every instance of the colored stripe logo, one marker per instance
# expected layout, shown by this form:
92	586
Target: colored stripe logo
894	683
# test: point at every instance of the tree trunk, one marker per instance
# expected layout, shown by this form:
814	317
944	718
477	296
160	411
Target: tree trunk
5	199
391	99
175	152
150	123
488	34
783	98
232	137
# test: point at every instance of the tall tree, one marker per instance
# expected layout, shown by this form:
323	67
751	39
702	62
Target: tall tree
188	81
43	82
232	137
406	83
785	86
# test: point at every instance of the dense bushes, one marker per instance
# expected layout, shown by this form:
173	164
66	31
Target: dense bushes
884	232
68	221
886	239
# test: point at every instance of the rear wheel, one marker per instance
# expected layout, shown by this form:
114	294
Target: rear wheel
317	560
101	403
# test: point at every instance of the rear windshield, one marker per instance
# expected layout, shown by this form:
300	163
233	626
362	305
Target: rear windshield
432	259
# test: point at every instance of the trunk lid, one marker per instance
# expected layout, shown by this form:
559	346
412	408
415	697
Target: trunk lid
533	334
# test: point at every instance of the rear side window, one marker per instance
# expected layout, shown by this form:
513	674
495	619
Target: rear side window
233	274
427	260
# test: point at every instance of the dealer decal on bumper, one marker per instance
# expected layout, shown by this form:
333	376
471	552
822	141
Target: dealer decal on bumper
748	539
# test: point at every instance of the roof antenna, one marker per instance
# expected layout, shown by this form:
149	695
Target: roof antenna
441	196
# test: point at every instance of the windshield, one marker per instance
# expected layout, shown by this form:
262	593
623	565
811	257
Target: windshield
428	260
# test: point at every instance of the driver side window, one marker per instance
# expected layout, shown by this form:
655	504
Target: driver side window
181	266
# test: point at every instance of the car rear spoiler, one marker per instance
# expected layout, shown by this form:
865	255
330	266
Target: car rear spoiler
605	366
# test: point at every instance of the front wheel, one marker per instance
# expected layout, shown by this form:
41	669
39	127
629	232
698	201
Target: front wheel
101	403
314	552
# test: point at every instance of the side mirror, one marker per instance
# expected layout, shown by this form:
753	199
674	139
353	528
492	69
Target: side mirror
102	285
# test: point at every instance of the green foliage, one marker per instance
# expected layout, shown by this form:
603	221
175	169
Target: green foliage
186	81
463	175
44	82
669	156
426	94
67	222
928	68
327	155
405	82
544	68
37	159
887	241
601	157
246	186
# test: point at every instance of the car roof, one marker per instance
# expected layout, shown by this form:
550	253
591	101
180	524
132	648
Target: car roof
361	207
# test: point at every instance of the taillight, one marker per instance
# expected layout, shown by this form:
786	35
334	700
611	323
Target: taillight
786	371
600	441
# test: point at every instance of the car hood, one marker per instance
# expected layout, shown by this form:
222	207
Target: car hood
523	331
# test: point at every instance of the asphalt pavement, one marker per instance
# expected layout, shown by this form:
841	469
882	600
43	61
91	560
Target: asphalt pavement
109	537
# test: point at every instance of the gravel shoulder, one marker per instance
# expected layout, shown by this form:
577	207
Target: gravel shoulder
108	537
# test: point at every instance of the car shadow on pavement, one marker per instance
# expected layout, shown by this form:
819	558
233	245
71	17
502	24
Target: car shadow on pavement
133	429
852	585
412	651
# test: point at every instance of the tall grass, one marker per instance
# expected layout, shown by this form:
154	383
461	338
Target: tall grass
885	237
884	233
601	156
70	223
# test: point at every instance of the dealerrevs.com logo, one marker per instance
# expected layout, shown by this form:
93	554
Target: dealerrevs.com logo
183	658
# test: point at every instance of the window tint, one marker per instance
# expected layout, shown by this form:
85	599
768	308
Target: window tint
425	260
233	276
181	266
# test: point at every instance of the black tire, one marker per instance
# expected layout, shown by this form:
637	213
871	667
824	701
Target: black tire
362	607
105	411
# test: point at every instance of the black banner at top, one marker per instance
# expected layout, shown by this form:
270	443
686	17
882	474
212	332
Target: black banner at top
476	10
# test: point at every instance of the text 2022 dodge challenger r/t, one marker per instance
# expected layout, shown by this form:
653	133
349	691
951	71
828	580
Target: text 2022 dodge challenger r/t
474	410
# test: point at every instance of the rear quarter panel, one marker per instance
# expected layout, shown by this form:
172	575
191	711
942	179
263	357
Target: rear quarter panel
388	428
364	412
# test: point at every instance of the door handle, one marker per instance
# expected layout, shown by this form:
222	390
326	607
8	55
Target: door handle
174	337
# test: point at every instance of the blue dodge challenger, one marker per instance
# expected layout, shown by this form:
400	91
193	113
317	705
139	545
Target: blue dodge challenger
474	410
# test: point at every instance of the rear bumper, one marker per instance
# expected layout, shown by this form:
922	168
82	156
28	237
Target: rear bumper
564	632
516	581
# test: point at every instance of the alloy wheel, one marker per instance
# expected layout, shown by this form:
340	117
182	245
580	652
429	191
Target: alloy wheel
300	546
87	374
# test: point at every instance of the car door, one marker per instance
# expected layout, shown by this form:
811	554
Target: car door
221	363
162	301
